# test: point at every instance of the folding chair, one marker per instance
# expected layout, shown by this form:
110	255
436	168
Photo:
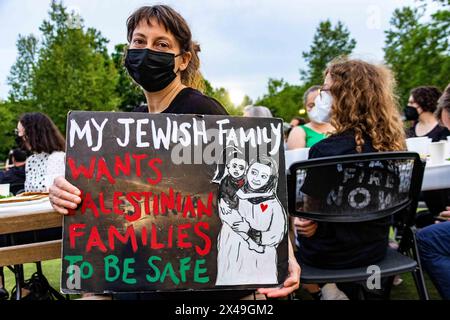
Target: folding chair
358	188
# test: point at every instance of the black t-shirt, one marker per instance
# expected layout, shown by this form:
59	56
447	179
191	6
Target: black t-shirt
344	245
438	133
14	176
189	101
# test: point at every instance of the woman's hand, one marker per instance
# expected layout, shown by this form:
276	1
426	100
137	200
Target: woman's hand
63	195
444	215
291	283
305	227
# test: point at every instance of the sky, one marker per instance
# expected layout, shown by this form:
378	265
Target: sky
243	42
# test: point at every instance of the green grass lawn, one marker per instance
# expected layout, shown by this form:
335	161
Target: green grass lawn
52	270
407	290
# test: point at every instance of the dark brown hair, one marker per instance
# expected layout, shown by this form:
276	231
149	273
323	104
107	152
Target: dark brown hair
175	24
426	97
19	155
41	133
364	102
443	103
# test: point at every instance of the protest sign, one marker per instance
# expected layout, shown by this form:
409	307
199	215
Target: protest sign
174	202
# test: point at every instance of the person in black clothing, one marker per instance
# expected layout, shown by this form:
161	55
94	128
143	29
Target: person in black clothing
422	104
363	109
15	175
163	60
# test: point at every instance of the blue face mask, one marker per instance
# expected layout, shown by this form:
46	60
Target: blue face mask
322	108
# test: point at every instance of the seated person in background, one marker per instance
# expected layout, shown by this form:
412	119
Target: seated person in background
257	111
43	139
434	240
9	162
422	103
40	136
297	121
307	135
15	175
363	110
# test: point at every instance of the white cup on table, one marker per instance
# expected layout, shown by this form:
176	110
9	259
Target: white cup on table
438	152
420	145
4	189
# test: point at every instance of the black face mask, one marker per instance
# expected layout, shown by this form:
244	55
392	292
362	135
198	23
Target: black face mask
411	113
152	70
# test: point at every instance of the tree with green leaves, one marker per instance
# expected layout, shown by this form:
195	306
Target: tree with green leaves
328	43
74	70
247	101
7	125
417	48
22	71
283	99
222	95
68	69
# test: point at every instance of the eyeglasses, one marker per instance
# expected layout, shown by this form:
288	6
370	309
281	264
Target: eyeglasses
320	90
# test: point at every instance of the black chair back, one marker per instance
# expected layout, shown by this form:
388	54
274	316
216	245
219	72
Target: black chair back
355	188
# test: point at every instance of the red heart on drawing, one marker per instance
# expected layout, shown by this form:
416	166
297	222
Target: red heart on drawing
263	206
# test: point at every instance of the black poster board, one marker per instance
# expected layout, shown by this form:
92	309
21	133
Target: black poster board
174	202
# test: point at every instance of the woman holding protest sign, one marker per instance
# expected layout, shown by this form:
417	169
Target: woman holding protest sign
163	60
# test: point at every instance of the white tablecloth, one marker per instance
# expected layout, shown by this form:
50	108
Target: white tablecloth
35	206
436	176
292	156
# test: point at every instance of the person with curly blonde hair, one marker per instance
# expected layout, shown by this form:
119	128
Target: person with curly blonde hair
358	98
365	103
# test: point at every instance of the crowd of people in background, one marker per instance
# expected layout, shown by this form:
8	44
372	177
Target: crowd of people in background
426	115
434	239
354	111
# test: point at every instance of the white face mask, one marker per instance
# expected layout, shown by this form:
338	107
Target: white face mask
322	108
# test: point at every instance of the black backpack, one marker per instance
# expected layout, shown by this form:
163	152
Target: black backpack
38	286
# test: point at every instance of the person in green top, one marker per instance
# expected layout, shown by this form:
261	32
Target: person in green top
305	136
312	136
